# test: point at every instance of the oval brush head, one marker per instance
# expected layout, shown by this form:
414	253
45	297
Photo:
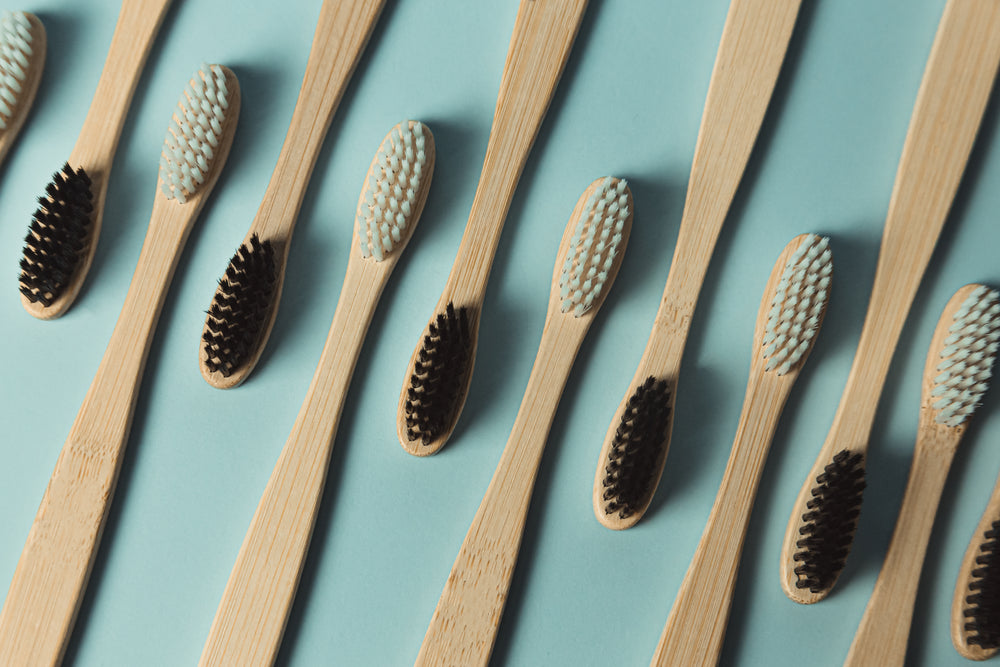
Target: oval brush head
22	58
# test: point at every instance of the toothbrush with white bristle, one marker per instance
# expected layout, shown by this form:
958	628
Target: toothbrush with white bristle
51	576
22	59
464	626
251	617
959	366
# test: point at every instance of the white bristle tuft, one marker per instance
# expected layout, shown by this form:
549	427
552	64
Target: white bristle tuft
967	357
15	58
595	243
194	133
798	304
393	188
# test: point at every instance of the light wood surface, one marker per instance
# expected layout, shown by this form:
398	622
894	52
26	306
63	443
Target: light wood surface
544	31
949	107
749	59
696	627
251	617
885	627
32	77
342	31
464	626
138	23
959	635
51	575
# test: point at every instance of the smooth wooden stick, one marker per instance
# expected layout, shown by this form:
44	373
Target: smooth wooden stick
696	627
342	31
747	65
543	35
946	117
32	77
51	575
138	23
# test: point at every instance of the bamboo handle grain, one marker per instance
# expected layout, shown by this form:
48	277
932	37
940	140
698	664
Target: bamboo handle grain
51	575
543	35
251	617
696	626
464	626
885	628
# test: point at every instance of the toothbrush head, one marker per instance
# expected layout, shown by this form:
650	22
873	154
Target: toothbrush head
22	57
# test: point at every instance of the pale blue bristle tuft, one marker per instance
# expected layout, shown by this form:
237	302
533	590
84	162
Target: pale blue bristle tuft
15	59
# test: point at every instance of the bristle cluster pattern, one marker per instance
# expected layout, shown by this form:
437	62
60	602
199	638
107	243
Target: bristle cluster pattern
639	442
392	191
439	376
241	307
15	58
967	357
195	133
982	610
594	245
830	522
798	304
58	237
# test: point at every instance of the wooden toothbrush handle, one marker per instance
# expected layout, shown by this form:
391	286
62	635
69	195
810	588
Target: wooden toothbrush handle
342	31
696	627
138	23
465	622
885	628
251	617
543	35
51	575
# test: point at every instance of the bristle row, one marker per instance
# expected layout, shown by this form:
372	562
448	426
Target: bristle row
982	610
241	307
194	134
830	522
15	58
392	190
641	436
594	246
439	376
798	304
967	357
58	237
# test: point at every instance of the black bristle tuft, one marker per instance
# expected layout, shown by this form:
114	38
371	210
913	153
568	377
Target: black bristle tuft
58	238
439	376
830	522
982	611
241	307
630	474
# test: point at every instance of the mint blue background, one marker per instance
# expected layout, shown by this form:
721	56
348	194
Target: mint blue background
629	104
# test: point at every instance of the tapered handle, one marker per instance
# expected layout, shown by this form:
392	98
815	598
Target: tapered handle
885	628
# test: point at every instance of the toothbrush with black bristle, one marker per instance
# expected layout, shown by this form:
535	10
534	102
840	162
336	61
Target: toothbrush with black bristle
949	108
245	304
751	51
957	372
22	59
251	617
790	315
62	237
51	575
440	370
464	626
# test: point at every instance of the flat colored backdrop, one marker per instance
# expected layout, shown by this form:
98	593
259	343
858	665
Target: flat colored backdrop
629	104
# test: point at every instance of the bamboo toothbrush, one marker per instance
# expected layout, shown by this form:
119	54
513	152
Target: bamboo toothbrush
463	628
789	318
975	619
750	54
949	107
251	617
63	235
245	304
958	369
51	576
22	59
438	375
